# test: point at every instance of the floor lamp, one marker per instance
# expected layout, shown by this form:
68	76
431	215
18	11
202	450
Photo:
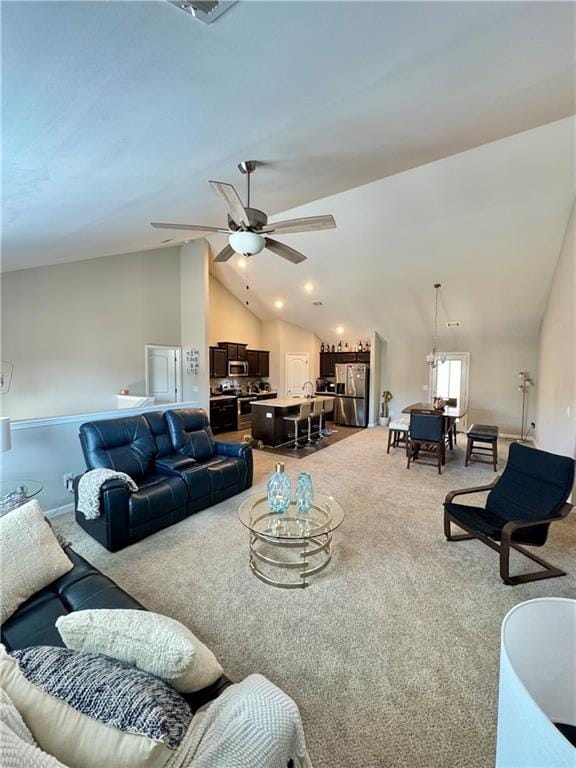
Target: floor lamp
525	383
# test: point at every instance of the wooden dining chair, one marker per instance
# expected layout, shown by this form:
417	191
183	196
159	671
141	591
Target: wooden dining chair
427	435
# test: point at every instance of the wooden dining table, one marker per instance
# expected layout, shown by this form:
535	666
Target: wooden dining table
451	412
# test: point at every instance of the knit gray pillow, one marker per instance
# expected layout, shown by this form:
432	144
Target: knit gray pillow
89	710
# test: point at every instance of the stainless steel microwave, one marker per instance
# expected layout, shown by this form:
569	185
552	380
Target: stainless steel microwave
237	368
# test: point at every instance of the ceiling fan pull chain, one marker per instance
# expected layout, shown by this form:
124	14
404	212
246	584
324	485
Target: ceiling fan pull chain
247	269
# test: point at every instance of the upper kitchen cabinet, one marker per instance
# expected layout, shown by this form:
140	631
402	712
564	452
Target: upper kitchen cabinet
253	364
258	362
234	350
328	361
263	363
218	363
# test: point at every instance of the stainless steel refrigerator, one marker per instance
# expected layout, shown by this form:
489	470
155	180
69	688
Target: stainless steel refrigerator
351	401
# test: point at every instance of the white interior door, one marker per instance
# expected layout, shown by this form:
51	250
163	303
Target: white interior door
450	379
163	373
297	372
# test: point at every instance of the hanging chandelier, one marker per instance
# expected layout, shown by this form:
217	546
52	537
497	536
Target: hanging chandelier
432	358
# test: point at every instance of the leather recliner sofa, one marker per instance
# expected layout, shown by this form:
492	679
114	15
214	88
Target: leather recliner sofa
174	460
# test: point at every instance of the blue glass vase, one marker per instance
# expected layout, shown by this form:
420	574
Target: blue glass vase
304	493
279	490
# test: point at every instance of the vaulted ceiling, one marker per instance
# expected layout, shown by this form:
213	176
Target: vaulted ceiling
487	224
118	113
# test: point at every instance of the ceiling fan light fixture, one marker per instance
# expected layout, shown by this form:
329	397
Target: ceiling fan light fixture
246	243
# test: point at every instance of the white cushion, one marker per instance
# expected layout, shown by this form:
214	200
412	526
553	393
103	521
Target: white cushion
153	643
30	554
399	425
17	747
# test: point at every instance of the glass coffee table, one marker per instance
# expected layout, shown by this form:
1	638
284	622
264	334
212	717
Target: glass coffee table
297	542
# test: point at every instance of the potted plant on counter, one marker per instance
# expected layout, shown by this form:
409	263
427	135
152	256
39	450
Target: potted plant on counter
384	417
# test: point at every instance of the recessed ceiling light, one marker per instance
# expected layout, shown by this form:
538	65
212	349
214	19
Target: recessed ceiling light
278	303
242	262
339	330
309	287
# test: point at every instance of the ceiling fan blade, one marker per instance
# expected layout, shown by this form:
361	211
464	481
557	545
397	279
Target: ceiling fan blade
284	250
309	224
190	227
231	200
226	253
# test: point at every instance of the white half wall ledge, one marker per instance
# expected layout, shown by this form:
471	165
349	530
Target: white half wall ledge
79	418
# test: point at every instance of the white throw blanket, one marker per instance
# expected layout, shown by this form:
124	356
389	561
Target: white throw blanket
250	725
89	489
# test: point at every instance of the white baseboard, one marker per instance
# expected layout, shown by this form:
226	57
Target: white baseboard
55	511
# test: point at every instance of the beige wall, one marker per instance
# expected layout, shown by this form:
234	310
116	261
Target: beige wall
556	380
280	338
76	332
194	292
230	320
494	367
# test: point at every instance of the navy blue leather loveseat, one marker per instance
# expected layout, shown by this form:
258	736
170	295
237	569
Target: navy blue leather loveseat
174	460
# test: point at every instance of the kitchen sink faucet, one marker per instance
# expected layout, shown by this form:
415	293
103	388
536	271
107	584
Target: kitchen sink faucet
304	389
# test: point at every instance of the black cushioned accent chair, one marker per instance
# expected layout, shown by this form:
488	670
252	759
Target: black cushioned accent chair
531	493
174	460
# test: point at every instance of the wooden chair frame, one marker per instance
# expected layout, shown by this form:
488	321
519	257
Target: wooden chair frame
549	571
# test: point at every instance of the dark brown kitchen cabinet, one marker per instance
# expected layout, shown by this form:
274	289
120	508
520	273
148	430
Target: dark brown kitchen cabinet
253	362
328	361
218	363
263	363
258	362
223	416
234	351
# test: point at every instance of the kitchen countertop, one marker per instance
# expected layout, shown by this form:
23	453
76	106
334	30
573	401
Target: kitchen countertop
235	397
286	402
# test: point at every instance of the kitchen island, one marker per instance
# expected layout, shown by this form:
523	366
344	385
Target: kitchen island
269	426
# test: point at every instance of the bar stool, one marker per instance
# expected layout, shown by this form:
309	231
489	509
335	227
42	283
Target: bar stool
304	413
327	407
487	436
398	433
317	410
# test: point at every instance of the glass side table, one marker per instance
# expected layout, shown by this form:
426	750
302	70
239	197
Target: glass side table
29	488
301	543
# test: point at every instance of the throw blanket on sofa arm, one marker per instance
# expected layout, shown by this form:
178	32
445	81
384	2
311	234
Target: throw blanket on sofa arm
89	489
252	723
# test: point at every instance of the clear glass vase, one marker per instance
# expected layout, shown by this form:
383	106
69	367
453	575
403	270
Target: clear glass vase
279	490
304	493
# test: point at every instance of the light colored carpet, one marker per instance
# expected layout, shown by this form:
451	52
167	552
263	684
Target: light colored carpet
392	652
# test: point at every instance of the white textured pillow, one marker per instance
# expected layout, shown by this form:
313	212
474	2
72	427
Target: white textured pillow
153	643
30	554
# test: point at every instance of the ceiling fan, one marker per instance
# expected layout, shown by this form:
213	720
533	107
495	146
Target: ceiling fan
248	228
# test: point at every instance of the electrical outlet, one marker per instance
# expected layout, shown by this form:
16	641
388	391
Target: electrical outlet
68	481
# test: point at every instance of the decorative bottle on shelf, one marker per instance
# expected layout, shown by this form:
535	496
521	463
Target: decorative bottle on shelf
279	490
322	347
339	346
346	347
333	348
304	493
360	347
